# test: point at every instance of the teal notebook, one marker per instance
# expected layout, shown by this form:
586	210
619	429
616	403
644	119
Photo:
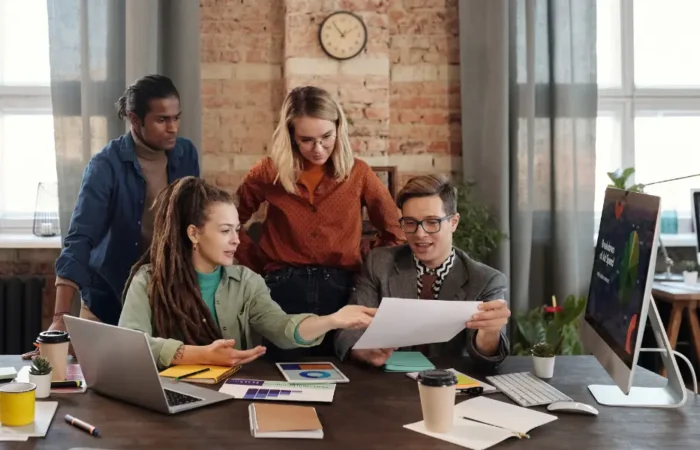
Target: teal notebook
407	362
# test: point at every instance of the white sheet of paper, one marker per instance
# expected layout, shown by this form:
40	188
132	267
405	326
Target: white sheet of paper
405	322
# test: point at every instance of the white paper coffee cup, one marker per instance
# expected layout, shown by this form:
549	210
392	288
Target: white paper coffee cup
437	390
53	345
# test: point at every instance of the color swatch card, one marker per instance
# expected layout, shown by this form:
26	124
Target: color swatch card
317	372
278	391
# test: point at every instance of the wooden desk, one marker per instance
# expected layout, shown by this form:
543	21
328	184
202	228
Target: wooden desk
369	413
681	300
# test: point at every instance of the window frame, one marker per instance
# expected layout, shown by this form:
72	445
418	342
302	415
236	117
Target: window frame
29	100
629	99
19	99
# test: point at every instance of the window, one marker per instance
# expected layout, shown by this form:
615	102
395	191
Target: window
27	155
649	98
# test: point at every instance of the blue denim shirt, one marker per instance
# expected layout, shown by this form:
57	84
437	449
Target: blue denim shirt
104	238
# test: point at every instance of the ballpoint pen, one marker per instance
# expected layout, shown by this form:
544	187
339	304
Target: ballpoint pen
191	373
518	435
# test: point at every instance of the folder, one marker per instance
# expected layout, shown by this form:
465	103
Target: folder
407	362
271	420
214	375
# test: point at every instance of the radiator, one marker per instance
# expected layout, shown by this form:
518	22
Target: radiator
20	313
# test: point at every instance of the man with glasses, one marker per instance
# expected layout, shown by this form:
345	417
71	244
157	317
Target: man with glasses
429	267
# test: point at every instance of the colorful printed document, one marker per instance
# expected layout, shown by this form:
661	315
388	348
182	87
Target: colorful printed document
464	382
278	391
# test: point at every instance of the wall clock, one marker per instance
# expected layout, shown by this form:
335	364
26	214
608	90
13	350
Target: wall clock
343	35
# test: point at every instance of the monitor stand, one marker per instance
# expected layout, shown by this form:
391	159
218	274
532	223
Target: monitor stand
673	395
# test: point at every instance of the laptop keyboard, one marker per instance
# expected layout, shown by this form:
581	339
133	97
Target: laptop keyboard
179	399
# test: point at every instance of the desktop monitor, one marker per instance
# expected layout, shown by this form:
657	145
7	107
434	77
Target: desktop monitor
619	298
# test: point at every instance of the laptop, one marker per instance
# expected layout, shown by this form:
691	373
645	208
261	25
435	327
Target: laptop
118	363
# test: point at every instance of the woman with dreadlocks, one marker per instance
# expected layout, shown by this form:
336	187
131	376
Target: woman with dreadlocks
199	308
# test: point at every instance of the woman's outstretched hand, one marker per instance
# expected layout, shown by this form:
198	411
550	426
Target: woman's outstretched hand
353	317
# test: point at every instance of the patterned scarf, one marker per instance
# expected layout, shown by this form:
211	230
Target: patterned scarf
440	273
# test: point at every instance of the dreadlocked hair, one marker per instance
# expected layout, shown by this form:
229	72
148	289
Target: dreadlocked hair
173	291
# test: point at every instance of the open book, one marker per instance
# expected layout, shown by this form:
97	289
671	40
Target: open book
481	422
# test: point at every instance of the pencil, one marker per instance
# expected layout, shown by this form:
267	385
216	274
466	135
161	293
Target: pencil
191	373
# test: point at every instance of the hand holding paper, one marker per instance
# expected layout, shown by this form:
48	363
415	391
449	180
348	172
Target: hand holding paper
407	322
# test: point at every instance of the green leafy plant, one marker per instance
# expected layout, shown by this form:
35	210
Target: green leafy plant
40	366
689	266
619	180
554	325
542	350
477	233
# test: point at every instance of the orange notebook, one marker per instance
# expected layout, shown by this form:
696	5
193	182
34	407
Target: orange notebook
214	374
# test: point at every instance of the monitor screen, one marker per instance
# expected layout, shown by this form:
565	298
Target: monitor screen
696	216
620	269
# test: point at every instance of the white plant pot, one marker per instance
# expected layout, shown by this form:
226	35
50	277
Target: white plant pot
690	277
43	384
543	367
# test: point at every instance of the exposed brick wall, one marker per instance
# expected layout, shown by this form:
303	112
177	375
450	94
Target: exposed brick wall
242	85
33	262
401	93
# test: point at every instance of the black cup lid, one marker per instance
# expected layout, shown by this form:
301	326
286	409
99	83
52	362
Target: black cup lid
437	377
52	337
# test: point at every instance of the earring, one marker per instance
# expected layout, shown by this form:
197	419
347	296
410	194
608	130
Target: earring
194	247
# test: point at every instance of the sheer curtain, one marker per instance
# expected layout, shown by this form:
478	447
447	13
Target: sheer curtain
97	48
529	105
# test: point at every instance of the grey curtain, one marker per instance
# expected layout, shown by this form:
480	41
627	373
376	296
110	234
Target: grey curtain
529	105
97	48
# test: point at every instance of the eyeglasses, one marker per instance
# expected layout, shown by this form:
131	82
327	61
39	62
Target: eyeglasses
430	226
309	143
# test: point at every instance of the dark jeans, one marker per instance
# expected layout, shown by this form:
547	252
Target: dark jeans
315	290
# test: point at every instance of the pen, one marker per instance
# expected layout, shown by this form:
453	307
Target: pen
519	435
82	425
66	384
191	373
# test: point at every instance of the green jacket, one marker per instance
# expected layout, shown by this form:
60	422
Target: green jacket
244	306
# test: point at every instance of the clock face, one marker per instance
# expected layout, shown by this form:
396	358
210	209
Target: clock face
343	35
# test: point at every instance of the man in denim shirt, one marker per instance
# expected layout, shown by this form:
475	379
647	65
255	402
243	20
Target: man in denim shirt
112	223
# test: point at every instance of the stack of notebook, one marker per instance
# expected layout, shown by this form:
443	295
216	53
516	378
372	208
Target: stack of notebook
407	362
270	420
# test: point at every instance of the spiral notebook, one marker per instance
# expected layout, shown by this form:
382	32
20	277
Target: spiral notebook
214	375
481	422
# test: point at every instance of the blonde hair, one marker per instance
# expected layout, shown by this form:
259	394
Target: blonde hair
308	101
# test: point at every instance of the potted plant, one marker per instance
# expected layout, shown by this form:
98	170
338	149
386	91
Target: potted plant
556	325
690	272
477	234
40	375
543	360
619	180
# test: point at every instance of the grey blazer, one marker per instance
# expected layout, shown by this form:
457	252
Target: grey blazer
391	272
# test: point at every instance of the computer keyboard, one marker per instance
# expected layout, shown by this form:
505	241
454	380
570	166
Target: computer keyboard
525	389
178	398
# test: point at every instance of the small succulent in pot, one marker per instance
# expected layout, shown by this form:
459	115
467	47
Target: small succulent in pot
543	350
40	366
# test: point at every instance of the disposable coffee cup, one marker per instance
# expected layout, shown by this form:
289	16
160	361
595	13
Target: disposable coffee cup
53	345
437	389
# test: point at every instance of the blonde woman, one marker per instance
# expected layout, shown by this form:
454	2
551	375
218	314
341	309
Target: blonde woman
309	249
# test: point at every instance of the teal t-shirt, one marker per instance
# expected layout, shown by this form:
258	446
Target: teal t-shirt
208	284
